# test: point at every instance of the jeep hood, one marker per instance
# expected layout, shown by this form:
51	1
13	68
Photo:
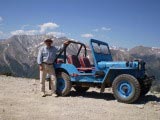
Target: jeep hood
117	65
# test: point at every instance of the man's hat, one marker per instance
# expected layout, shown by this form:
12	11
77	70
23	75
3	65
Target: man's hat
48	40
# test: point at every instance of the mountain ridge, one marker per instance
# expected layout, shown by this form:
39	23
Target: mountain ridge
19	52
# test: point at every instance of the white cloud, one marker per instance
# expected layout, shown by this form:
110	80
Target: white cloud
56	34
47	26
17	32
1	19
95	30
1	33
43	29
101	29
22	32
31	32
24	26
88	35
105	29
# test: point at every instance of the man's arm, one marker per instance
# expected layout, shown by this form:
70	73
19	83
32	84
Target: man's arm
39	59
59	48
66	42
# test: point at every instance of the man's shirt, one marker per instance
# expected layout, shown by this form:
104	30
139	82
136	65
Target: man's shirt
47	54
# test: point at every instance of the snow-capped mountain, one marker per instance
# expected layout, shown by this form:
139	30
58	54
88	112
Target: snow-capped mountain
18	54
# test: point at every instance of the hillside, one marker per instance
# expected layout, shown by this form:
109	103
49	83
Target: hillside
20	100
152	58
18	55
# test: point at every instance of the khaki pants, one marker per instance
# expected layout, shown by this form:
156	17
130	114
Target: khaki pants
50	70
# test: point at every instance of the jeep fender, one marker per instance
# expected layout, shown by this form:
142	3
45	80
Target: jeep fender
69	68
110	75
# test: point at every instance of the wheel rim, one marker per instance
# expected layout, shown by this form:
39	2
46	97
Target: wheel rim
124	89
60	84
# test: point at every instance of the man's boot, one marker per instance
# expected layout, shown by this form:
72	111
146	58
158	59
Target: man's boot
43	94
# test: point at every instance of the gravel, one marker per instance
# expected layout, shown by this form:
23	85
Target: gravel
20	100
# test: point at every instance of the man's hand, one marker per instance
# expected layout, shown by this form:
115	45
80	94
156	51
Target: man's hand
66	42
40	67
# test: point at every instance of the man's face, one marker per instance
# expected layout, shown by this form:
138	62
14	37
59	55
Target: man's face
48	43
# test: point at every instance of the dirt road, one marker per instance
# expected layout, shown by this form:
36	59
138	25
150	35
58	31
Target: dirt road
20	100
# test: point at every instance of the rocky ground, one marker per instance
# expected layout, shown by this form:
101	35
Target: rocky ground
20	100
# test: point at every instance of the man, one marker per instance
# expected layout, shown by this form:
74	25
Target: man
45	59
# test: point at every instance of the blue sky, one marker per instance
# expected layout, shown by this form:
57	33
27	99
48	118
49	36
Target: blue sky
123	23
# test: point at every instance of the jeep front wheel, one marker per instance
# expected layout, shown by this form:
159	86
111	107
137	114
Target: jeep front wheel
63	84
126	88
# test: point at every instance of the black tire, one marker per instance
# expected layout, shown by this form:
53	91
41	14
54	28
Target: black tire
126	84
67	84
80	89
144	88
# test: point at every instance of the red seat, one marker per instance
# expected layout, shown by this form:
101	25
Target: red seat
73	59
84	61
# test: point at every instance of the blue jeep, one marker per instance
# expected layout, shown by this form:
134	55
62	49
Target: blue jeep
127	79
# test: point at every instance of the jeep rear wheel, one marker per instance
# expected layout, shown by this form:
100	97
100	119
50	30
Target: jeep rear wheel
63	84
80	89
126	88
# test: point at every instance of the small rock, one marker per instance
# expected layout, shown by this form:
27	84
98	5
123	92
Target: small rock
140	106
80	96
158	109
109	89
149	93
34	84
154	103
154	92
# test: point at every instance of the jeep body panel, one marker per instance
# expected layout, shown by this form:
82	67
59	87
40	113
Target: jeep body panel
122	76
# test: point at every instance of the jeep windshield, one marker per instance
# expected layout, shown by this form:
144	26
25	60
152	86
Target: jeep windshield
100	48
100	51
